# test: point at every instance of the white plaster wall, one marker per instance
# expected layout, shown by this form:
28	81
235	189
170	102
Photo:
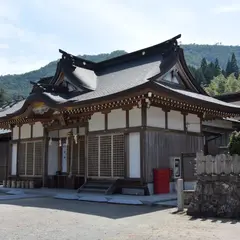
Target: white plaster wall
155	117
168	77
82	131
53	134
175	120
135	117
134	155
38	130
14	159
218	123
53	158
63	133
15	134
193	123
25	131
97	122
117	119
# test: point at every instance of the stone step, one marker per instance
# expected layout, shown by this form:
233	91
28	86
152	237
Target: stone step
98	185
93	190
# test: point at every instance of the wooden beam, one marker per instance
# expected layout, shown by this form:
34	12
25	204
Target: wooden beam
45	159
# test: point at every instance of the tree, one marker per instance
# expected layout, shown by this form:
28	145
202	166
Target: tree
228	69
204	65
234	143
217	68
234	66
232	84
199	76
209	72
220	85
2	97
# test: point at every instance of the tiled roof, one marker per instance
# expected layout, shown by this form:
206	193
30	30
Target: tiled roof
122	79
11	108
201	97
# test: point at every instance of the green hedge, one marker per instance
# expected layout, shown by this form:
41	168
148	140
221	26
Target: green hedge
234	143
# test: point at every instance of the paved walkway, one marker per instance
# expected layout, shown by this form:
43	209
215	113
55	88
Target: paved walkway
162	199
50	219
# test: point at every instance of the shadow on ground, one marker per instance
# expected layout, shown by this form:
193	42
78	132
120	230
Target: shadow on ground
113	211
210	219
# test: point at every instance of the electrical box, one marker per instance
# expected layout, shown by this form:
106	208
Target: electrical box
176	165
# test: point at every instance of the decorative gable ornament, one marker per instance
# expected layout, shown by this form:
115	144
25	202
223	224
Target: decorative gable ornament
41	109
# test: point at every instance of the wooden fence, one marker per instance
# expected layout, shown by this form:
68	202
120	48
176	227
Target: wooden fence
222	164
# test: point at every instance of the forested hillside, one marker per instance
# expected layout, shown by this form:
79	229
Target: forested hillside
205	61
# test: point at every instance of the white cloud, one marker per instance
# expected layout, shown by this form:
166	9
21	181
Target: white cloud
4	46
228	8
32	31
20	65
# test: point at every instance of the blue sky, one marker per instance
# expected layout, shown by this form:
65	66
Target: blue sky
32	31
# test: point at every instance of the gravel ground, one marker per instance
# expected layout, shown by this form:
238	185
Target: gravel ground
47	218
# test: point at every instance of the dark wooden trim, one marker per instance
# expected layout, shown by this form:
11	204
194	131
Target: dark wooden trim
69	126
144	115
9	170
60	158
138	129
45	158
18	150
86	153
166	119
185	127
142	153
126	153
31	130
201	125
142	141
106	121
28	139
127	118
117	130
206	128
172	131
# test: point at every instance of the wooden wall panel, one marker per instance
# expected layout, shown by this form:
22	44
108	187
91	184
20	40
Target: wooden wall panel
4	150
161	145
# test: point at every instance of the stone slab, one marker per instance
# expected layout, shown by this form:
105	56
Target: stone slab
67	196
125	201
93	199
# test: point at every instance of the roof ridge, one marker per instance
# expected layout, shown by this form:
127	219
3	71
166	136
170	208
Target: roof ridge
80	62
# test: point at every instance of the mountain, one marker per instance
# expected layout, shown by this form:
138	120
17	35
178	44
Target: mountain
19	84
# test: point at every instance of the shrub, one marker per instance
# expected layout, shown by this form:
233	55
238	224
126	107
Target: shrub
234	143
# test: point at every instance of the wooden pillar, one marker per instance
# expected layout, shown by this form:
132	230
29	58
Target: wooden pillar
86	152
45	158
142	141
18	150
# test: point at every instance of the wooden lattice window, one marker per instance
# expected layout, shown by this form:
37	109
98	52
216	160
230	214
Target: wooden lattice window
81	156
106	156
118	156
38	153
78	157
30	158
22	157
74	158
93	151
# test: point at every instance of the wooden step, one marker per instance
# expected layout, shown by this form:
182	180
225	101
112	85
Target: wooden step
97	186
93	190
